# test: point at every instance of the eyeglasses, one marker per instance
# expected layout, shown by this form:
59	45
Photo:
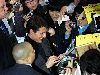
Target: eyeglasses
82	18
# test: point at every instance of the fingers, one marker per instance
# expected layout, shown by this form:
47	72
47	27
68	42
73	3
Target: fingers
27	17
54	59
70	63
60	56
51	61
51	31
68	71
63	10
69	67
76	2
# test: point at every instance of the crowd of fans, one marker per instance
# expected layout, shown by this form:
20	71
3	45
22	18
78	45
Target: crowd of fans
35	35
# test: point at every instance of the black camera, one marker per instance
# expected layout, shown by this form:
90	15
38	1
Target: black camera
30	13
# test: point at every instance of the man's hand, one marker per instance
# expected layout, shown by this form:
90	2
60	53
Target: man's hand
63	10
69	67
27	17
76	2
51	61
51	31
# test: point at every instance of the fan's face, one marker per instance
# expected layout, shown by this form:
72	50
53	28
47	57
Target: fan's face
32	4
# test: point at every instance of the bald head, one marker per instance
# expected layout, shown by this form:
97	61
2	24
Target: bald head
22	51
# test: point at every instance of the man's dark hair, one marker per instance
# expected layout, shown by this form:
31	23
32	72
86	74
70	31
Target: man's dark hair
56	5
90	62
79	9
99	45
35	23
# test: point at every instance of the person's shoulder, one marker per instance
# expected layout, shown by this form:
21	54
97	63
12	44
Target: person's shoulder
41	10
20	69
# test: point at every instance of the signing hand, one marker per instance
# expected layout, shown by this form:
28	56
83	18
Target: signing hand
51	61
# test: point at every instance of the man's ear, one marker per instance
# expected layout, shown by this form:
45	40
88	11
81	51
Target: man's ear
27	59
31	31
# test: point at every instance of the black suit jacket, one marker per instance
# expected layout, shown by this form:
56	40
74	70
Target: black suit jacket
20	69
6	44
42	53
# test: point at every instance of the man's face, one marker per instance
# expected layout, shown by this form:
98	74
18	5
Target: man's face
83	22
81	18
3	9
54	15
67	26
77	15
39	35
32	4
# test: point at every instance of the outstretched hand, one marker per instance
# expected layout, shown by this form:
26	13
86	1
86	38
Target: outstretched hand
51	61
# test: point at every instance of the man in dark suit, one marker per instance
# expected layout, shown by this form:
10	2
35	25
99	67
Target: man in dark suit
6	41
24	55
36	28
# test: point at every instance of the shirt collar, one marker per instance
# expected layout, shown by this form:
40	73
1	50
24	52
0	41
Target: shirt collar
29	64
85	26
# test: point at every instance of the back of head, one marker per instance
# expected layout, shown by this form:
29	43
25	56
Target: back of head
35	23
79	9
90	62
22	51
56	5
60	3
